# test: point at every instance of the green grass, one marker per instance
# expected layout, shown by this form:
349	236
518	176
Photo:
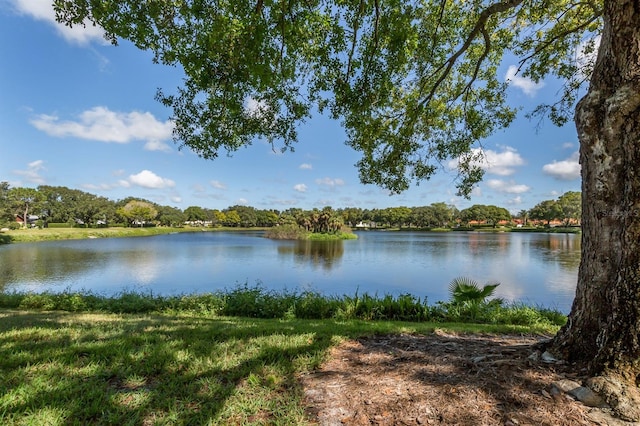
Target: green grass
332	237
227	358
129	369
258	302
47	234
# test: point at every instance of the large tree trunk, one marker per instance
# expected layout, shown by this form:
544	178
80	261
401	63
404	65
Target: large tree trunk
604	324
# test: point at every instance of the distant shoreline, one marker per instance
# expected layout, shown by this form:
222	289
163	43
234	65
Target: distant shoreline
54	234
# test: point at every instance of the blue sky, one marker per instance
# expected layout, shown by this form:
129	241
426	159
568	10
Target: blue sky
78	112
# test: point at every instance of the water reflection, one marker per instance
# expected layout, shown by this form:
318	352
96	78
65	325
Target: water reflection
563	249
33	264
480	242
319	254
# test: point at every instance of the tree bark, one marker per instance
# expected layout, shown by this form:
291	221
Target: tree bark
603	327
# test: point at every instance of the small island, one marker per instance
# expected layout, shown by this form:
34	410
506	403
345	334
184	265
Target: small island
317	225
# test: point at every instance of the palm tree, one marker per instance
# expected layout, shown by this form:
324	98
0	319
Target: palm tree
524	215
467	291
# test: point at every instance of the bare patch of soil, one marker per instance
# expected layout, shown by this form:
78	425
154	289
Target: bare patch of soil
443	379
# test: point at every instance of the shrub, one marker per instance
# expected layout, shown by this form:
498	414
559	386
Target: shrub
133	303
287	232
203	303
42	301
256	301
11	300
312	305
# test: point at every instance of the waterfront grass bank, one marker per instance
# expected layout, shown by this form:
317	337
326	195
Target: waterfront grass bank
50	234
182	368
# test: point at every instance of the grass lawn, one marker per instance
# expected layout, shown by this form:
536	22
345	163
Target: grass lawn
46	234
89	368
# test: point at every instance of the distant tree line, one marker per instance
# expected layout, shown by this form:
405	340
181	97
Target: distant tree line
566	209
46	205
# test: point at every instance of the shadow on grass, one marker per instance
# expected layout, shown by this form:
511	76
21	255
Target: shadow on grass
119	369
5	239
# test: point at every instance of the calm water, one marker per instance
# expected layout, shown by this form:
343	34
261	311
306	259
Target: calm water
538	269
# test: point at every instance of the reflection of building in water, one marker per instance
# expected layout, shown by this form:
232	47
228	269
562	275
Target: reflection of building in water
323	254
474	242
563	248
503	242
479	242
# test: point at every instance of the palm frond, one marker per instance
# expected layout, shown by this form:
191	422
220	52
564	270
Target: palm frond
464	289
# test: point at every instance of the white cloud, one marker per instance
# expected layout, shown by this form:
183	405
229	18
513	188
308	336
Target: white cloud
496	163
243	201
586	55
507	187
306	166
528	86
255	108
330	182
515	201
176	199
101	124
42	10
32	173
568	169
105	186
197	188
282	202
567	145
156	145
148	179
301	187
217	184
477	191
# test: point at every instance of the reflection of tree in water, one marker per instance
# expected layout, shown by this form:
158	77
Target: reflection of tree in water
561	248
43	264
323	254
479	243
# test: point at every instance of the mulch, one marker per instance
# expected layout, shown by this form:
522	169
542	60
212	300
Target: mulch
443	379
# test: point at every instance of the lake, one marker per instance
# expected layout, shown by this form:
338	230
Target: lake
535	268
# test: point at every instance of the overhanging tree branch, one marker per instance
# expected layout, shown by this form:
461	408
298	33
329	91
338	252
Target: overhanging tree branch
447	66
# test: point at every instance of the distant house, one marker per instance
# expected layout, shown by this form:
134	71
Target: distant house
31	219
556	223
366	225
206	223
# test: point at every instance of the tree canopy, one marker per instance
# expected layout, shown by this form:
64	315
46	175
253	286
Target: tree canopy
415	83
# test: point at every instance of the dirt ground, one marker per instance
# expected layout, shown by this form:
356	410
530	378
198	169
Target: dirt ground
444	379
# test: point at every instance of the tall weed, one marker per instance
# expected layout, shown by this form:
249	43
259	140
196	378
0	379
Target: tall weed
256	301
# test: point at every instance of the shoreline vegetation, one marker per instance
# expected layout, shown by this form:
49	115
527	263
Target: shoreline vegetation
279	232
296	232
468	304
